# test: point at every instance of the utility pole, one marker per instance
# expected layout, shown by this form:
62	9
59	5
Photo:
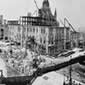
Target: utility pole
21	27
70	72
26	40
1	76
64	35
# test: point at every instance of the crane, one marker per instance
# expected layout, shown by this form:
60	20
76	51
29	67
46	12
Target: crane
36	7
36	4
34	12
61	22
66	20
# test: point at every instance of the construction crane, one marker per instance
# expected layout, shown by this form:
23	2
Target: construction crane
36	7
36	4
39	10
34	12
66	20
61	22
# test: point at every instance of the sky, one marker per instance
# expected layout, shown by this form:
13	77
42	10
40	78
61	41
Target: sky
73	10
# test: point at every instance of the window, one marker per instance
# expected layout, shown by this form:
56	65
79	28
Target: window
36	29
33	29
44	41
43	30
30	29
19	29
40	40
2	30
52	42
23	19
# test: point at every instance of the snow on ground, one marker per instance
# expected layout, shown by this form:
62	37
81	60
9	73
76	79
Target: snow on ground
51	78
54	78
30	55
52	61
76	49
76	54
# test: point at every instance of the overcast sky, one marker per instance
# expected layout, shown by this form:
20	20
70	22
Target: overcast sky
72	9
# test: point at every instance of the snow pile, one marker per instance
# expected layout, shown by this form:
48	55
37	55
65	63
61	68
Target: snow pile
76	49
51	78
54	78
3	68
76	54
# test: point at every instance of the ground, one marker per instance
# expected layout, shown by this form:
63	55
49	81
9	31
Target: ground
77	72
47	79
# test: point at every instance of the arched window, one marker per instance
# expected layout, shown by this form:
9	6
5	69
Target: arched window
2	30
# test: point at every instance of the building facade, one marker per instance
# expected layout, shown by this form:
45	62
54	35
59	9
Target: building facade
14	31
46	30
3	29
78	39
81	40
74	39
52	38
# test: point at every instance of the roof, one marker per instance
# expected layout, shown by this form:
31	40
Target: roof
13	22
38	21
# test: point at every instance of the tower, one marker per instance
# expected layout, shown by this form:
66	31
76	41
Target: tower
45	4
55	14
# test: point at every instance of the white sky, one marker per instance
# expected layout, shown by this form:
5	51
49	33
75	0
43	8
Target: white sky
72	9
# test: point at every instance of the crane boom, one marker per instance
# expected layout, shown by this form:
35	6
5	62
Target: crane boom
61	22
36	4
65	19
